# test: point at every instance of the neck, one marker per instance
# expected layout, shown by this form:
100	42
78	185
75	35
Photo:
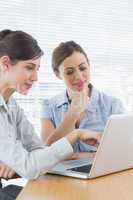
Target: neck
6	91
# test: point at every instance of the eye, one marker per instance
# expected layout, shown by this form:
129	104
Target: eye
69	72
28	67
82	68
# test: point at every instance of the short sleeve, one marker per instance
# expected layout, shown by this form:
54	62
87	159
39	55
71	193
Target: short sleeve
117	107
46	111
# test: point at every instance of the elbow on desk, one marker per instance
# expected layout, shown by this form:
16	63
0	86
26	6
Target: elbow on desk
28	169
29	174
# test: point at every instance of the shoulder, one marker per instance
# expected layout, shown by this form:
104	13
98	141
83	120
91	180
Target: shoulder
55	101
101	97
108	99
111	103
16	111
14	106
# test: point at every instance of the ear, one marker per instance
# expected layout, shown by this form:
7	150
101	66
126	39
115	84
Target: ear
5	62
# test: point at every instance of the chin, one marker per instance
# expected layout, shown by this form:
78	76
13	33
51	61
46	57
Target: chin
79	89
23	92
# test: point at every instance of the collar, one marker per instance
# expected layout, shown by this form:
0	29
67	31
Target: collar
7	106
2	102
62	99
93	102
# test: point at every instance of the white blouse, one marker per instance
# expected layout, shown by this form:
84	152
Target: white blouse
21	149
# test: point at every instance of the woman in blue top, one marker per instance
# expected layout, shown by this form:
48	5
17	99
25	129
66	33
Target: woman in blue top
80	105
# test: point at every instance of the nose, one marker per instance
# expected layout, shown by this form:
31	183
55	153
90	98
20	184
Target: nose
34	76
78	75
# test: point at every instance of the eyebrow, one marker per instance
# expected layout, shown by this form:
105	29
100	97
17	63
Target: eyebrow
73	67
81	64
33	64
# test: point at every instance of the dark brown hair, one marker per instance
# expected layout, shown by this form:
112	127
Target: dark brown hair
18	45
64	50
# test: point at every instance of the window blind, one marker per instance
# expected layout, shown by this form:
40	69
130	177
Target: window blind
104	29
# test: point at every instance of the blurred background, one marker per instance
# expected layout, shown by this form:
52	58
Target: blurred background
103	28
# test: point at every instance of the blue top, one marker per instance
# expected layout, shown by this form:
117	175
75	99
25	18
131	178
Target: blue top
100	107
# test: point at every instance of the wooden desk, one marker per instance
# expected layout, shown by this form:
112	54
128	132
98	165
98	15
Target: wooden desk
117	186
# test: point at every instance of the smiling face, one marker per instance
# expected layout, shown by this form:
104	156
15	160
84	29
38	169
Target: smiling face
24	74
20	76
75	71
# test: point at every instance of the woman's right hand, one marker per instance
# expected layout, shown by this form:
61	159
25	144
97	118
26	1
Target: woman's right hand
79	102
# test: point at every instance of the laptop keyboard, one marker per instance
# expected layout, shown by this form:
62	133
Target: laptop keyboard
76	163
83	169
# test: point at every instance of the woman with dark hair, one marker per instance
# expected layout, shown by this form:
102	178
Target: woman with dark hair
80	105
21	151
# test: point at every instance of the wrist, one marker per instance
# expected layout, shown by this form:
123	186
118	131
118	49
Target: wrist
73	113
72	137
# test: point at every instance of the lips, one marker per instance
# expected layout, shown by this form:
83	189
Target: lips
80	84
28	85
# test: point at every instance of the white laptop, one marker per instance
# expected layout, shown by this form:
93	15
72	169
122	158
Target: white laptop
115	152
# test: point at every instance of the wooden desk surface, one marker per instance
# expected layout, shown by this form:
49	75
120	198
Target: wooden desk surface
118	186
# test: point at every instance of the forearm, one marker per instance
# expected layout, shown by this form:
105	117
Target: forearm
66	126
31	164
